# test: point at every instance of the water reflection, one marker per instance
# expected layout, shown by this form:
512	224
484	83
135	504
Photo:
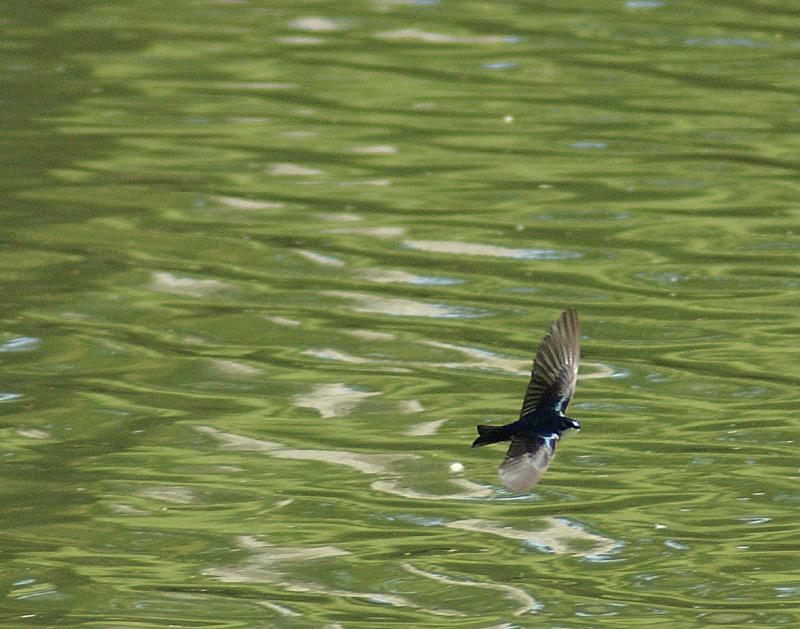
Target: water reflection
169	283
402	488
484	359
366	463
391	276
319	258
20	344
525	602
270	563
371	335
174	495
558	536
333	400
293	170
492	251
377	232
288	219
237	203
414	34
425	429
235	368
318	24
398	307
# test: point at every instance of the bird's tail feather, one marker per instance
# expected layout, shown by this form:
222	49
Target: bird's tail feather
489	434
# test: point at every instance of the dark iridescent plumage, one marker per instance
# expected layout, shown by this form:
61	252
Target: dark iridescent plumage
541	420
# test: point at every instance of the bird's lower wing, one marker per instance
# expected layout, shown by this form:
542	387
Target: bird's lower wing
526	461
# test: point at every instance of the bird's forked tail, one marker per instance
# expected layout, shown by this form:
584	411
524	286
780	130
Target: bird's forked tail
489	434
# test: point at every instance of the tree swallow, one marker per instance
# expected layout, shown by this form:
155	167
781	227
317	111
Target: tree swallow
541	421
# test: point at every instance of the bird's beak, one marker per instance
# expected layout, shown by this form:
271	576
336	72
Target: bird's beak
571	428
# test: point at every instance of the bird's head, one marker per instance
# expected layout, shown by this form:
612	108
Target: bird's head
568	426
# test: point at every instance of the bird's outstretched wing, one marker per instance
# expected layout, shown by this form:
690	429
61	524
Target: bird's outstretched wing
527	461
555	368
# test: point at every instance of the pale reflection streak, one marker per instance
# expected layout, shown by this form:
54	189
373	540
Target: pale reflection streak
414	34
251	85
318	24
238	203
556	537
235	368
166	282
392	276
283	611
332	400
293	170
266	565
411	406
33	433
268	562
366	463
285	321
492	251
425	429
300	40
175	495
481	359
377	232
365	182
375	149
318	258
370	335
364	302
528	603
471	490
127	510
333	354
339	217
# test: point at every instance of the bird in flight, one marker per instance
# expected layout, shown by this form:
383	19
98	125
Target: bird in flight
541	422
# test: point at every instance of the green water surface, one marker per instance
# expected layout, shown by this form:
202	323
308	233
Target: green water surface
265	264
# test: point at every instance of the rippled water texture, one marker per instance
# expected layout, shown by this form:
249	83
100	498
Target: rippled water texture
266	264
